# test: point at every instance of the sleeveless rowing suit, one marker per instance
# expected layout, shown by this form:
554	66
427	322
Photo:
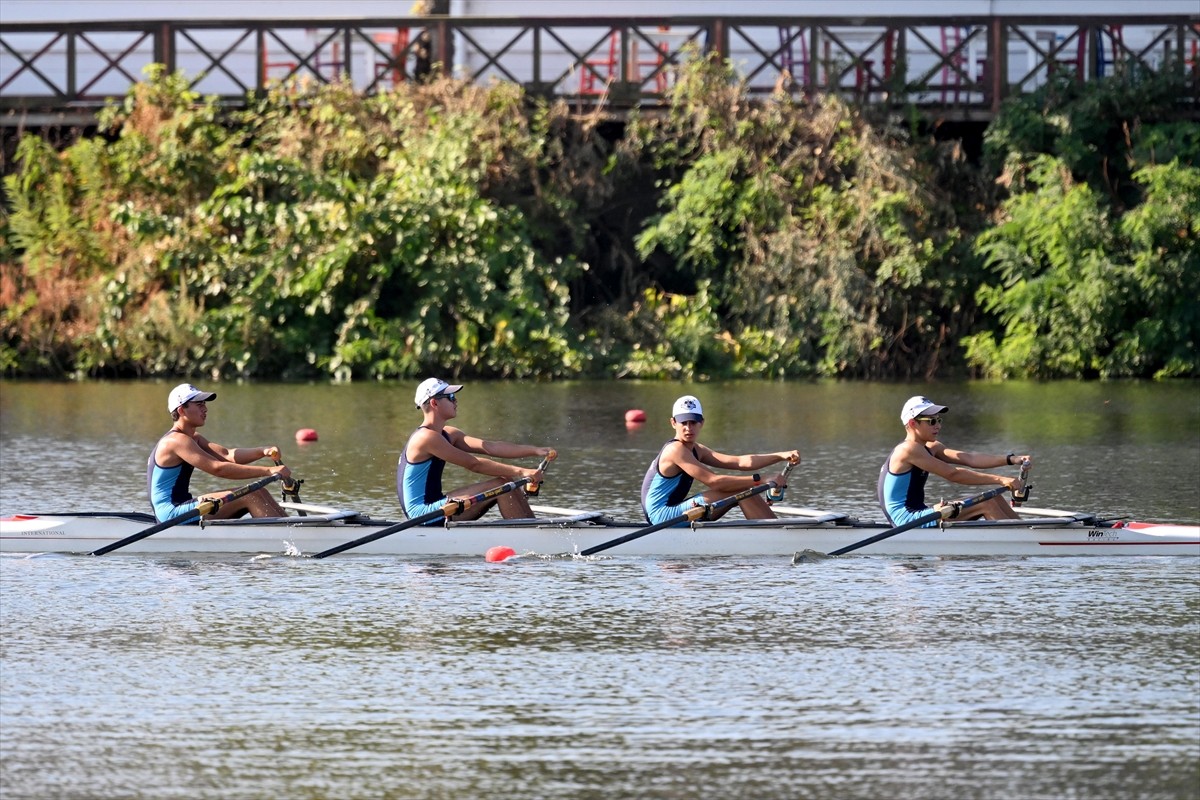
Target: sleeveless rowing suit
419	485
664	498
170	492
902	496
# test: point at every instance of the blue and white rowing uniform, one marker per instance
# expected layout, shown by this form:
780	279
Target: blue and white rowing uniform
902	496
419	485
170	487
665	498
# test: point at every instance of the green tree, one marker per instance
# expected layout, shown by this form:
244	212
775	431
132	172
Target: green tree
827	248
1082	294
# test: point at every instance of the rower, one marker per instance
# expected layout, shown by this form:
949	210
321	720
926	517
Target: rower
901	487
435	443
183	450
668	481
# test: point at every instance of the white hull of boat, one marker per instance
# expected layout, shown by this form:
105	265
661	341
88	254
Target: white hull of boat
1059	534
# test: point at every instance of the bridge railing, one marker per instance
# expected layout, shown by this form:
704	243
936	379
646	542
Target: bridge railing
963	66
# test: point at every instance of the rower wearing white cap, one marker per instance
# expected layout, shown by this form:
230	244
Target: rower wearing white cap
434	444
667	487
901	488
183	450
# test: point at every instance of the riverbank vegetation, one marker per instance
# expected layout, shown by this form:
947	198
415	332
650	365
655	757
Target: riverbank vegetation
472	231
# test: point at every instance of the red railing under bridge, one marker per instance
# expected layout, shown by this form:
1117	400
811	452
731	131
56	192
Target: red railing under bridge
963	67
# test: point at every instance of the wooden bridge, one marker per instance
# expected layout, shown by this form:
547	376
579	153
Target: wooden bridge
959	68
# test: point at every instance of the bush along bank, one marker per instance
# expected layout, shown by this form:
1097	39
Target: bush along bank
469	230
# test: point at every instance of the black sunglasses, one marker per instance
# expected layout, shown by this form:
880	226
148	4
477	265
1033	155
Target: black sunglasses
451	397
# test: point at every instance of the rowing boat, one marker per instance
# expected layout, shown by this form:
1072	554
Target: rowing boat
310	529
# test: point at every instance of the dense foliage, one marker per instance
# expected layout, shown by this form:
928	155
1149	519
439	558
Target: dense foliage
1096	253
466	230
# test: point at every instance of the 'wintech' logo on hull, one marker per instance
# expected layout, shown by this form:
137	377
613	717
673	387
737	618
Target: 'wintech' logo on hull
1102	535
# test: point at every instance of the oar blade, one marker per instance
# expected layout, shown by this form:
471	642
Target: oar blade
808	556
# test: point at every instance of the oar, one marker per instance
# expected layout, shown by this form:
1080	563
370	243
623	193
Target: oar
945	512
449	509
691	515
205	507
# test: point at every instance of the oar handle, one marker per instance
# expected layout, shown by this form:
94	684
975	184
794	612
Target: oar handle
691	515
534	489
1023	495
449	508
204	507
777	492
289	489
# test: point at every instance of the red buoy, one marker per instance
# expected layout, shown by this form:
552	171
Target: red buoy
500	553
306	435
635	415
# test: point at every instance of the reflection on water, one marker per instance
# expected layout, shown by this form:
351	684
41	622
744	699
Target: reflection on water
1120	449
214	678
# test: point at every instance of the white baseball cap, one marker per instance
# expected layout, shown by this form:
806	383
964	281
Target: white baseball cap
919	407
432	387
687	409
186	393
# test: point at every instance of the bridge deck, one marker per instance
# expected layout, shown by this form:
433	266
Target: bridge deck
960	67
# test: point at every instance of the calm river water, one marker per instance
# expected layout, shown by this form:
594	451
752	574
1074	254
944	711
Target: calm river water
373	677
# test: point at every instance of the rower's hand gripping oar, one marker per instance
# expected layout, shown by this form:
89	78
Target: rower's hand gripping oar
776	493
1023	495
289	490
451	507
691	515
205	507
534	489
947	511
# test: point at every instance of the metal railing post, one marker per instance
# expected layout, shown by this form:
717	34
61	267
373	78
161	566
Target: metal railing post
998	34
72	67
445	47
720	38
260	59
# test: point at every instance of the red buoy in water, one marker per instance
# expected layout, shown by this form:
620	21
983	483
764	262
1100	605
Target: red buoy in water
306	435
635	415
500	553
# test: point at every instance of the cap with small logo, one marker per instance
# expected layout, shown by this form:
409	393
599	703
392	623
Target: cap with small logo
186	393
919	407
687	409
432	387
